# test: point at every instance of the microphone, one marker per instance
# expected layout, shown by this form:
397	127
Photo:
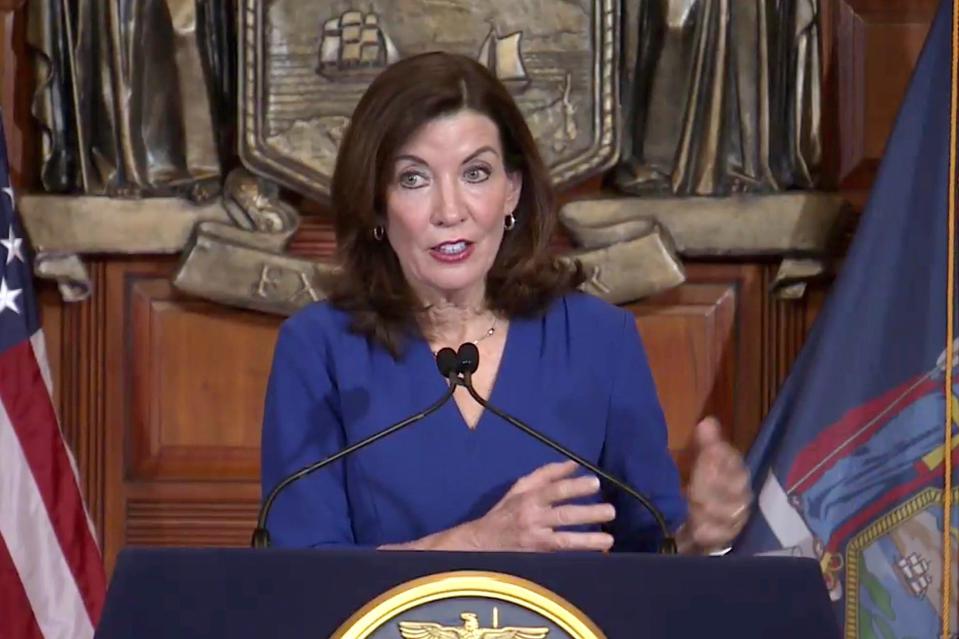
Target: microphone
468	362
446	362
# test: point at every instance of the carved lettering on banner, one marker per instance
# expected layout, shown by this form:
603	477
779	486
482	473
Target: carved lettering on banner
274	285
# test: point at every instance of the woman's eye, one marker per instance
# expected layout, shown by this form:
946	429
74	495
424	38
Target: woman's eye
476	174
412	180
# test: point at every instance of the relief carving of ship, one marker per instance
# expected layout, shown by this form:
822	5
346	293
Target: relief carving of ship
504	57
355	48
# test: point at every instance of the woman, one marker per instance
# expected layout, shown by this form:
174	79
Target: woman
443	218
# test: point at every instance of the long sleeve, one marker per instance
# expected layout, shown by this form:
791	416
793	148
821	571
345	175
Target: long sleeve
302	424
636	448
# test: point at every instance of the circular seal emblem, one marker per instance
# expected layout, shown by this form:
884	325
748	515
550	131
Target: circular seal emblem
469	605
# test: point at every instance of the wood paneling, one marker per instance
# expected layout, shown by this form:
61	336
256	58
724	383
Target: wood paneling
16	91
198	376
786	324
76	337
180	522
697	339
876	44
184	391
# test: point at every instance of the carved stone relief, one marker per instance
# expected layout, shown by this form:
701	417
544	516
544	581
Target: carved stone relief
296	68
306	64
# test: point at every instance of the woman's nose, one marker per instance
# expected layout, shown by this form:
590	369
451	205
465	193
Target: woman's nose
448	207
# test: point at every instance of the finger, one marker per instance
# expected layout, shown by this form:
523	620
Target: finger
566	540
544	475
717	470
567	489
728	483
732	463
577	515
708	432
732	481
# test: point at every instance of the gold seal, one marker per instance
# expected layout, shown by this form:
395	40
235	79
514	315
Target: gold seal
383	612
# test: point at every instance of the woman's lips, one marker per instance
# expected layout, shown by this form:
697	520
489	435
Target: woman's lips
452	252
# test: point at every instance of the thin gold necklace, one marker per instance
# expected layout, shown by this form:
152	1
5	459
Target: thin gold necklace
489	333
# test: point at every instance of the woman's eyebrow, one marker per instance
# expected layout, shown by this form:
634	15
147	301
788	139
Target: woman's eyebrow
412	158
480	151
418	160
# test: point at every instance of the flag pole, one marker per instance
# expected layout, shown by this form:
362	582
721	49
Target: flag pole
950	307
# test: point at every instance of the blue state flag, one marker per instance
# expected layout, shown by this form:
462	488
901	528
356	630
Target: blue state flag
849	467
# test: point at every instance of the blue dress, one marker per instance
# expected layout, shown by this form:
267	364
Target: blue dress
578	373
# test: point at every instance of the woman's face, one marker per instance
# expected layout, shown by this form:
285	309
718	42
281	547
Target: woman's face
446	203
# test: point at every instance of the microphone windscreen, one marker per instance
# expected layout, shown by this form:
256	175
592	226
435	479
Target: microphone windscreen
446	361
468	356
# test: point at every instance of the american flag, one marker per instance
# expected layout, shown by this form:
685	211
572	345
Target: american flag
51	573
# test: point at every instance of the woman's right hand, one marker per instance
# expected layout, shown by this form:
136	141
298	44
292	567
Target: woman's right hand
528	517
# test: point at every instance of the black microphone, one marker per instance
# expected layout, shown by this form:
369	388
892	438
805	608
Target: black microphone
468	362
446	362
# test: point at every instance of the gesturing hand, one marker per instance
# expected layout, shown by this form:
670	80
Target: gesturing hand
528	517
719	493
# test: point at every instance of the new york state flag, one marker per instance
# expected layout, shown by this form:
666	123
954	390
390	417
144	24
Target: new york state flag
851	464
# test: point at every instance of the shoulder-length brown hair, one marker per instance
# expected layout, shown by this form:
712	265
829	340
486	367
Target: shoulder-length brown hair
525	277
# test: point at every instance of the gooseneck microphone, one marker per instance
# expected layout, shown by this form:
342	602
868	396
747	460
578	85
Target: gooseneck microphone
447	363
468	362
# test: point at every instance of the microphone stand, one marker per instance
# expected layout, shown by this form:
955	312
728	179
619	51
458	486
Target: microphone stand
668	544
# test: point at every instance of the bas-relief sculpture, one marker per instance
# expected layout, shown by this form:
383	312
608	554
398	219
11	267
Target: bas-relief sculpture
132	95
305	75
302	65
722	96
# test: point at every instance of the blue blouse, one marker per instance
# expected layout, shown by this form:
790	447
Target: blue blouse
578	373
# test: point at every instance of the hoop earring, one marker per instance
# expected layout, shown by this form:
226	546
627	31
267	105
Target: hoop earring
379	233
509	222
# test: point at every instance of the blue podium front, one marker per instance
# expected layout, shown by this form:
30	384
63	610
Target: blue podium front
356	594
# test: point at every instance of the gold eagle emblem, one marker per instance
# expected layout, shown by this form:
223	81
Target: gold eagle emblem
469	630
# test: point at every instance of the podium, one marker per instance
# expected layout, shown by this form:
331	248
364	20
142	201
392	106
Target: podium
241	593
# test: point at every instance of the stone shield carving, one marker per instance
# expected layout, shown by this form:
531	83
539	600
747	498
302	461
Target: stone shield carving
305	64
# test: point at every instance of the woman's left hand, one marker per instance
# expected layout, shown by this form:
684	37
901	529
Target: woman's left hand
719	493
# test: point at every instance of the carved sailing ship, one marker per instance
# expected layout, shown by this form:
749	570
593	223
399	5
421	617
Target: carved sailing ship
503	55
355	48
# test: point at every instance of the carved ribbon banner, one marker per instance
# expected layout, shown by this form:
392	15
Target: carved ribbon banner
802	227
232	248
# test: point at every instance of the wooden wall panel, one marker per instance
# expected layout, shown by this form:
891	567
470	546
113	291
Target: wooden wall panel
700	340
198	376
876	45
178	521
184	405
76	337
15	93
685	334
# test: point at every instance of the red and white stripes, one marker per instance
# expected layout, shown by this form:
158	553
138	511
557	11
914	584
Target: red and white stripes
49	558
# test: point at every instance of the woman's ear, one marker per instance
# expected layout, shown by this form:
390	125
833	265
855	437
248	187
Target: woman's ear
515	189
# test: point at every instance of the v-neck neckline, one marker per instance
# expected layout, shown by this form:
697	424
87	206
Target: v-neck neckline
495	394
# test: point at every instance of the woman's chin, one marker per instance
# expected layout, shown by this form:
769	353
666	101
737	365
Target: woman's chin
452	287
